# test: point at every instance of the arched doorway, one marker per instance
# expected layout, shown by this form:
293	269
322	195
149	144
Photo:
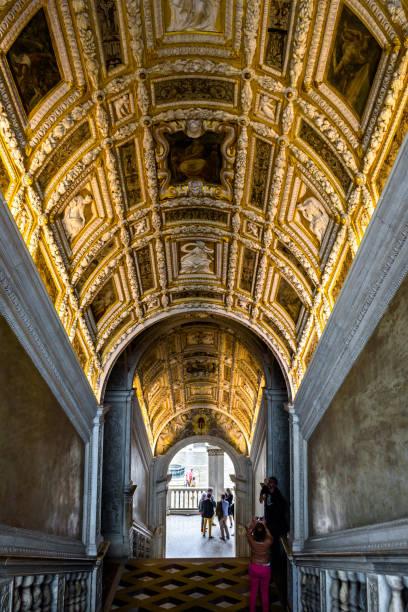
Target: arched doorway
194	470
160	478
164	386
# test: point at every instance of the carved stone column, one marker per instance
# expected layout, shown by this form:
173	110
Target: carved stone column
116	472
95	450
277	438
216	471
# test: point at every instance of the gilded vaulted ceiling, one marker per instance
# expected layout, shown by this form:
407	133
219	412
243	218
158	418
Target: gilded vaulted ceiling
163	155
194	372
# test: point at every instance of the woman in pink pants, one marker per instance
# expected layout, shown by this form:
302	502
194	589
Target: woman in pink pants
260	541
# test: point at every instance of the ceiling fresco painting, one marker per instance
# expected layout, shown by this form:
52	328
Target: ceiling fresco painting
162	157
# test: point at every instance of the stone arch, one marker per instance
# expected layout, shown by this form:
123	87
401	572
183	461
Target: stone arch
243	481
180	315
125	417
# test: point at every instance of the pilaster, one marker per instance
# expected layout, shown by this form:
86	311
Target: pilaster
297	484
277	437
116	472
216	470
92	525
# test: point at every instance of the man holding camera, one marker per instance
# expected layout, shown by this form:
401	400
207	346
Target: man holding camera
276	510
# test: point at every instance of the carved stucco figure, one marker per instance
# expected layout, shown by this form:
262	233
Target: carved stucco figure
197	258
313	211
193	15
74	214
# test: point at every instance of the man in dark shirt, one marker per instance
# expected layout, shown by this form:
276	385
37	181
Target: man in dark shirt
276	509
208	513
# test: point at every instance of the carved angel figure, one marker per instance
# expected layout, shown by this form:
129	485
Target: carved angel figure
314	212
74	214
197	258
193	15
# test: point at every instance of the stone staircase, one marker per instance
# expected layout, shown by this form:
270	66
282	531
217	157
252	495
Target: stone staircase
186	584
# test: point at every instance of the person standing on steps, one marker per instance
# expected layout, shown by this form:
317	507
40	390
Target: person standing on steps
211	492
276	510
222	514
201	509
260	540
276	516
230	499
208	513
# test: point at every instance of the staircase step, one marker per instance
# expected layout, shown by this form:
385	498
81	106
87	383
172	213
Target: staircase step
157	585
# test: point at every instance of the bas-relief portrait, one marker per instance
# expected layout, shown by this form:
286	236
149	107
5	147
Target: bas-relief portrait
188	15
196	258
315	215
33	63
77	213
195	158
354	60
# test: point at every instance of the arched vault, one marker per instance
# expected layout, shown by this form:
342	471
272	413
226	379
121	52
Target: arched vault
224	161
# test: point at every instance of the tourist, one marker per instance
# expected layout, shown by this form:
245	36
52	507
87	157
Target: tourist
211	492
190	477
208	513
276	509
260	540
230	499
200	508
187	480
222	514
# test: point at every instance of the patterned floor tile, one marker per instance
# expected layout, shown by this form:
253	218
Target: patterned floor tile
184	585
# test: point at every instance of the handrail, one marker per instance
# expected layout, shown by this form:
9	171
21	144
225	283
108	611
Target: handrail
287	547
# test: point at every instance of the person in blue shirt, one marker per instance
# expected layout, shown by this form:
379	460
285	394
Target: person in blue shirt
222	514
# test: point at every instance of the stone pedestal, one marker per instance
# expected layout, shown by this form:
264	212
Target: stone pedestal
216	471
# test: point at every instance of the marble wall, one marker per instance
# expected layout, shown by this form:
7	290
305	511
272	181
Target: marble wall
260	473
41	455
139	475
358	453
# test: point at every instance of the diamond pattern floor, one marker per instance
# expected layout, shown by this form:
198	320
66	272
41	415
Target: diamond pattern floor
156	585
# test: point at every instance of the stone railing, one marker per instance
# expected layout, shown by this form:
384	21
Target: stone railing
51	585
141	541
47	592
321	590
183	500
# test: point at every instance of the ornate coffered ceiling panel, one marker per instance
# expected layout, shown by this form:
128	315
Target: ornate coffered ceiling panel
192	372
163	156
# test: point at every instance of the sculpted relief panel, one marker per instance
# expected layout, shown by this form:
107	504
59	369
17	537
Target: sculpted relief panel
187	15
77	213
315	214
197	258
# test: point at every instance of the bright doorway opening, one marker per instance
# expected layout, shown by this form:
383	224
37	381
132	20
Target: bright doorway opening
195	469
